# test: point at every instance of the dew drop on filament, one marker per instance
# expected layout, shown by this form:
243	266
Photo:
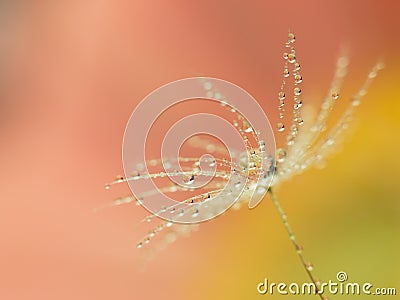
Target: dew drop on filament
299	121
298	78
291	58
291	38
297	91
280	155
189	180
286	73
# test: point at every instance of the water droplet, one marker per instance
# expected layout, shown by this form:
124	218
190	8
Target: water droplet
298	78
285	55
299	121
289	140
148	219
356	102
330	141
280	155
146	240
291	58
297	91
335	95
168	224
247	127
362	92
206	197
281	96
291	38
135	175
118	201
181	213
139	245
189	180
280	127
119	178
372	74
297	66
297	105
238	185
286	73
195	213
299	249
309	266
107	186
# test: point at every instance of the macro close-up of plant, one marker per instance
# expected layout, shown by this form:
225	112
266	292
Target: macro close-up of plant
305	146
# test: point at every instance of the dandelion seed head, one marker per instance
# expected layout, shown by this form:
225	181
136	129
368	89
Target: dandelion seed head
211	181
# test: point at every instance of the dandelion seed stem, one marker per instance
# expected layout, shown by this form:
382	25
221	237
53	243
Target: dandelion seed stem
296	245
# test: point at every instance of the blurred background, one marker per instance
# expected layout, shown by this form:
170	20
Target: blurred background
71	73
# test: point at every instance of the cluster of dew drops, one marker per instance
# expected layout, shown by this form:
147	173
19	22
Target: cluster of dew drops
251	137
290	60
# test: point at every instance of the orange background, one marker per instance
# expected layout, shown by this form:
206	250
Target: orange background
72	72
